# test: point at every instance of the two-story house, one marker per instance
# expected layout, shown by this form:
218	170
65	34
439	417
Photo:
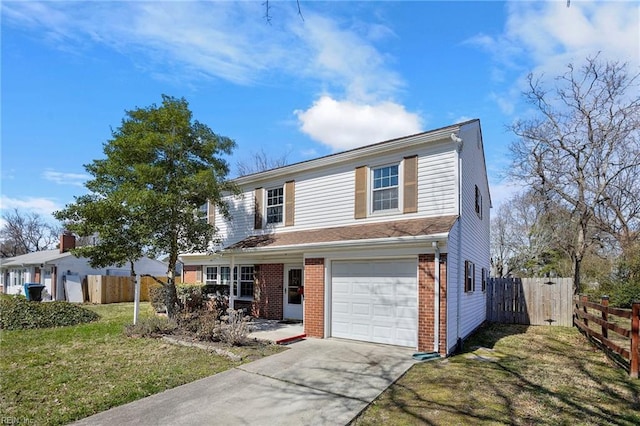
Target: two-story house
386	243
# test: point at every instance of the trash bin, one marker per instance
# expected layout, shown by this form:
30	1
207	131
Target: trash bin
33	291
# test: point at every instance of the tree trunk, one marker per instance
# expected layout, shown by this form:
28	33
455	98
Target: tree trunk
577	287
171	296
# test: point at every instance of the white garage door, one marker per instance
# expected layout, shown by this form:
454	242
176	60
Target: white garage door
375	301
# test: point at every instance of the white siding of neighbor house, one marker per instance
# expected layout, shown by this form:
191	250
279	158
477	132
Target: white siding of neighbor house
474	244
325	197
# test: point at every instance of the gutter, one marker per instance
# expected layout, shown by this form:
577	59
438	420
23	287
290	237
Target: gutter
332	245
459	141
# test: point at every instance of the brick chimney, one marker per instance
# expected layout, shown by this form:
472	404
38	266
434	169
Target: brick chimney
67	242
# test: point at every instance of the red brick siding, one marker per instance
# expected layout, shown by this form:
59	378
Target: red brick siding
314	297
189	273
267	291
443	304
426	309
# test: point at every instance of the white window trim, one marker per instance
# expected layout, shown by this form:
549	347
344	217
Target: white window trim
238	281
400	186
216	280
265	223
471	273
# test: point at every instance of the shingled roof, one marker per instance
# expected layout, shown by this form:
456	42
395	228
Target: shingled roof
378	230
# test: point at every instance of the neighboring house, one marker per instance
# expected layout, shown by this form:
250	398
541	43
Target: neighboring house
349	242
51	267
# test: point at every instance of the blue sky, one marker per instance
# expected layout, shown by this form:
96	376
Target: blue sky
349	74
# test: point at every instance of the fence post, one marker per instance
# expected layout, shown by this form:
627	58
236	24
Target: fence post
635	337
584	300
605	316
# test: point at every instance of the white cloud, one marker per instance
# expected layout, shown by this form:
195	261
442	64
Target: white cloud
543	37
502	192
364	111
345	124
231	41
43	206
62	178
348	60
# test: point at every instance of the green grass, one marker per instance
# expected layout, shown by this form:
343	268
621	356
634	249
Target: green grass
514	375
58	375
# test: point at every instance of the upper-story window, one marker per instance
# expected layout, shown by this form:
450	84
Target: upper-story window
275	205
203	212
385	188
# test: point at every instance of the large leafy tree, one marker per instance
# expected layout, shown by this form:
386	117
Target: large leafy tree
120	236
581	151
161	166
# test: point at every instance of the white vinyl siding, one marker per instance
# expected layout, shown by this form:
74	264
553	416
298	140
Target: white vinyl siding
475	231
326	197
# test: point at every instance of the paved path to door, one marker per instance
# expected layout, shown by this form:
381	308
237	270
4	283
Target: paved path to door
315	382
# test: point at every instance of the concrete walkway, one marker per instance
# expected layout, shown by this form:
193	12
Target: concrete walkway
314	382
274	331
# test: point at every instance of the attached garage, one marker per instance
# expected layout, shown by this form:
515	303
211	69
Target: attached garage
375	301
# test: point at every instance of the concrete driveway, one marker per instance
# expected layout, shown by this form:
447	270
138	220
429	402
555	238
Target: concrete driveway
315	382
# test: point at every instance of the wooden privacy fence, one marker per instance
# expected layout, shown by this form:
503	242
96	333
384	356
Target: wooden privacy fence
595	320
104	289
530	301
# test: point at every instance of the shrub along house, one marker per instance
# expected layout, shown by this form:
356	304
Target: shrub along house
386	243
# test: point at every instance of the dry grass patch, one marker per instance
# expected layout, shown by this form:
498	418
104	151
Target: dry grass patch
513	375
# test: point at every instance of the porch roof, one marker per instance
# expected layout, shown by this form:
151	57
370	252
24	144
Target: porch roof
392	230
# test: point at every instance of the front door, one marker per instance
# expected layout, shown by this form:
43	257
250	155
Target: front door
293	293
48	293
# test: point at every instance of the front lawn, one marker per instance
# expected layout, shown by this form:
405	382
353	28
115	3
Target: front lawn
514	375
57	375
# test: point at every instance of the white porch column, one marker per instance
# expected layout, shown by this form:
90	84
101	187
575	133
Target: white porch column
231	282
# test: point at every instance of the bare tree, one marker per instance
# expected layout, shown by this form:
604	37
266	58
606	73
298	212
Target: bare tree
525	236
582	152
267	11
25	233
259	161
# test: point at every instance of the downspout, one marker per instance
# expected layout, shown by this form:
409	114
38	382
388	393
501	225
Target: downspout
459	142
436	299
